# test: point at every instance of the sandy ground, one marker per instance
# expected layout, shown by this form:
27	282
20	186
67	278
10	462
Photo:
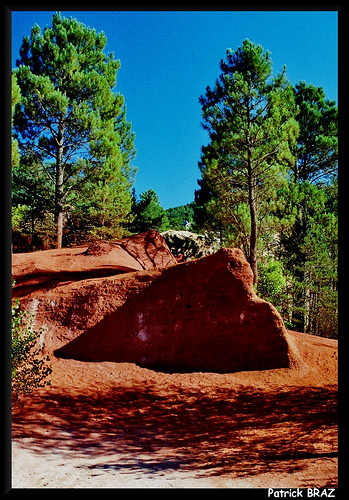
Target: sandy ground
116	425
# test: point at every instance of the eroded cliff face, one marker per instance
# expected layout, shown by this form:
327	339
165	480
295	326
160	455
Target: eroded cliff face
130	301
71	289
201	315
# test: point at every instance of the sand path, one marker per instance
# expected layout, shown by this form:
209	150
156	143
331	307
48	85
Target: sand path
115	425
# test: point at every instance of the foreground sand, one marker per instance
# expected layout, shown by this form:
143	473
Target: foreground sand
116	425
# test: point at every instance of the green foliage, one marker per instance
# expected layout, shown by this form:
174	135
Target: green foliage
268	174
99	208
308	249
317	145
147	213
269	182
182	217
249	116
29	368
70	121
24	238
32	226
15	99
272	281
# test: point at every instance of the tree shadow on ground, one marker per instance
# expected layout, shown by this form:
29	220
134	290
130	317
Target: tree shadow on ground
241	431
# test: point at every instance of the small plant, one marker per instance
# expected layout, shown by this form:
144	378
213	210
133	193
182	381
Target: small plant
29	368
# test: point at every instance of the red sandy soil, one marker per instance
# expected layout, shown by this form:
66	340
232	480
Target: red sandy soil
118	425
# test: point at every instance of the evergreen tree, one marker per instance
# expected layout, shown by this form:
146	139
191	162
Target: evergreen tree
16	99
101	206
66	121
127	146
30	188
308	249
250	119
148	213
317	144
181	218
313	180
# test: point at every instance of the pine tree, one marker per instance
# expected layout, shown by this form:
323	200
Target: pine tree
148	213
100	208
314	176
249	116
317	144
66	121
16	99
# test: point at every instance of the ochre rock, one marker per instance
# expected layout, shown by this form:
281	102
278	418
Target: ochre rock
200	315
71	289
67	310
42	271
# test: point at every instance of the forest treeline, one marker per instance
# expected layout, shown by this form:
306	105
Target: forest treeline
268	182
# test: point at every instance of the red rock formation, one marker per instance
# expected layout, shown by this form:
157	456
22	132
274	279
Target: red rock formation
71	289
42	271
201	315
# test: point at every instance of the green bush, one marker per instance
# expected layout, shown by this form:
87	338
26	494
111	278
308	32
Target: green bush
272	281
29	368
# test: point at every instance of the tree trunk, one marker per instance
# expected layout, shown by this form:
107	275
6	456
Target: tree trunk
59	223
59	187
253	237
253	214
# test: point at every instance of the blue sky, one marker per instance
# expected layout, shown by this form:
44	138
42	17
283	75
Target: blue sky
168	59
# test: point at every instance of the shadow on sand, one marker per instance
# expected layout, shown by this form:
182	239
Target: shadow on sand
241	431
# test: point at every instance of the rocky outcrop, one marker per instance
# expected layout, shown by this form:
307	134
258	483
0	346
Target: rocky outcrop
187	245
45	270
71	289
67	310
201	315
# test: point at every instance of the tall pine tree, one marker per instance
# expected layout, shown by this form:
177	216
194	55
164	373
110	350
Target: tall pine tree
66	121
249	116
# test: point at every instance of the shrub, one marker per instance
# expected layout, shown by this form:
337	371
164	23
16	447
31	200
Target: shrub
272	281
29	368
